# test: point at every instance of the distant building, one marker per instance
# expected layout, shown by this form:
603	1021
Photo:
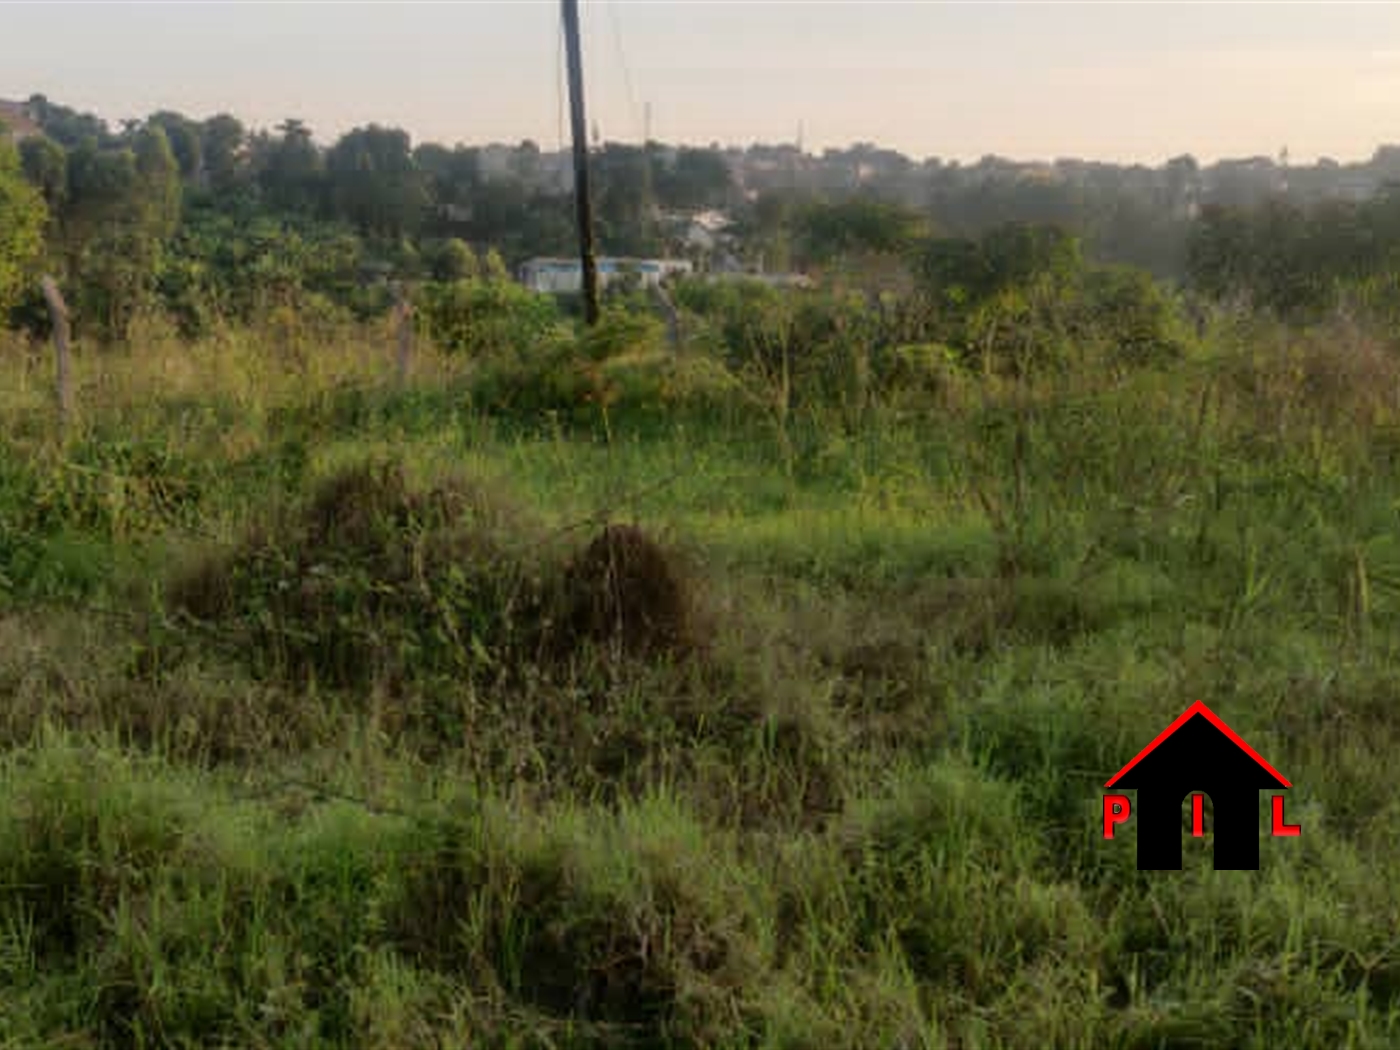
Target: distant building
566	275
15	122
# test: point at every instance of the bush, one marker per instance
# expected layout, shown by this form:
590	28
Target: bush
1126	312
482	317
369	582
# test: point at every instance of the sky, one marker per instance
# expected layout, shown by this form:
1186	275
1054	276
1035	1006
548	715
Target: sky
1132	82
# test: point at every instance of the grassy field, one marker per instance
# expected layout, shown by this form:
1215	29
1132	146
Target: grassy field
339	713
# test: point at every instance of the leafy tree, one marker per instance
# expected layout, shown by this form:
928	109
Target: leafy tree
45	165
963	273
484	317
1017	253
956	271
622	210
375	183
860	226
291	171
699	178
221	141
186	143
122	206
22	217
451	260
494	268
1126	311
66	126
525	162
159	185
450	176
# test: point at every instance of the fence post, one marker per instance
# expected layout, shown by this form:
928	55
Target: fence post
58	314
403	319
673	317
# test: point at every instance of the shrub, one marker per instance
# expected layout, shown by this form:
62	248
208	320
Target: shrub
371	581
483	317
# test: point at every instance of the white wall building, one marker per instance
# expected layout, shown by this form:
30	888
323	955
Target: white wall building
566	275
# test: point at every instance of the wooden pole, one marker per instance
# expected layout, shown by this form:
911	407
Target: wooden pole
58	313
579	126
403	319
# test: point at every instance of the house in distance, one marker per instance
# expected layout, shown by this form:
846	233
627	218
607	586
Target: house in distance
566	275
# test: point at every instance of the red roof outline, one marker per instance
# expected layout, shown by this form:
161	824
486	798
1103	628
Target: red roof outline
1199	708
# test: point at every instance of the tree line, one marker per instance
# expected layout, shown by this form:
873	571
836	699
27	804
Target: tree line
209	221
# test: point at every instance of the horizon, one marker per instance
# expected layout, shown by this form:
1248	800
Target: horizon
1034	83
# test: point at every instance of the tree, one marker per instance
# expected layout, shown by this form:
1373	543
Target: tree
67	127
221	147
451	260
159	174
495	267
185	141
699	178
45	165
123	206
291	172
860	226
22	218
375	183
525	163
620	182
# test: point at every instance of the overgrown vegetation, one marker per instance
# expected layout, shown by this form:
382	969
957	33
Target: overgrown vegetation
743	680
582	692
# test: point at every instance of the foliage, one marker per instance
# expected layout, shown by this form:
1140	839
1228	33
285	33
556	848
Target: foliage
581	688
861	813
484	315
22	216
1295	262
451	260
45	165
861	226
375	183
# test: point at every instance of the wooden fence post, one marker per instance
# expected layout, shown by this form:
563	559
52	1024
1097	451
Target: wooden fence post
58	314
673	317
403	319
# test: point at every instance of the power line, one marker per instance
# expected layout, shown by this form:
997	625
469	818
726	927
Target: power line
559	84
626	70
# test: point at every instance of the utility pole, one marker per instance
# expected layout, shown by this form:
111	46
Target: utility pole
580	132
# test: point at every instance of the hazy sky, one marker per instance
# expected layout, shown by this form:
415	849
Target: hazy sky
1094	80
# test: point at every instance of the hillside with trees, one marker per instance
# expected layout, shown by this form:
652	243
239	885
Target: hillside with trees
207	220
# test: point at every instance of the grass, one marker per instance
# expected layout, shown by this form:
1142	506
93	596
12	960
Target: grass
335	713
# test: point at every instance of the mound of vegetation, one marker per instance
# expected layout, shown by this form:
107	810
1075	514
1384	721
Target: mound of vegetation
627	591
372	581
369	581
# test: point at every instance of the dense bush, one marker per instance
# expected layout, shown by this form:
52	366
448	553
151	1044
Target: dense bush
485	317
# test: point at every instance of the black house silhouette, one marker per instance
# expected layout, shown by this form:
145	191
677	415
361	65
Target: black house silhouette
1198	752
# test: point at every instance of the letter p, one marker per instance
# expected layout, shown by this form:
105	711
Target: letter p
1115	811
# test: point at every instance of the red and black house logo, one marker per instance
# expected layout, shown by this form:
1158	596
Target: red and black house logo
1197	753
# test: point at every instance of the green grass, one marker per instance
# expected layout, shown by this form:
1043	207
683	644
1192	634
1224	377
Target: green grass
378	796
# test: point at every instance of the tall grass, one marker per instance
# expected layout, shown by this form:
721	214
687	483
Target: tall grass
376	791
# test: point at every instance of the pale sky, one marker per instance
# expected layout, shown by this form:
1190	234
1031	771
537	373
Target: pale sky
1108	81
